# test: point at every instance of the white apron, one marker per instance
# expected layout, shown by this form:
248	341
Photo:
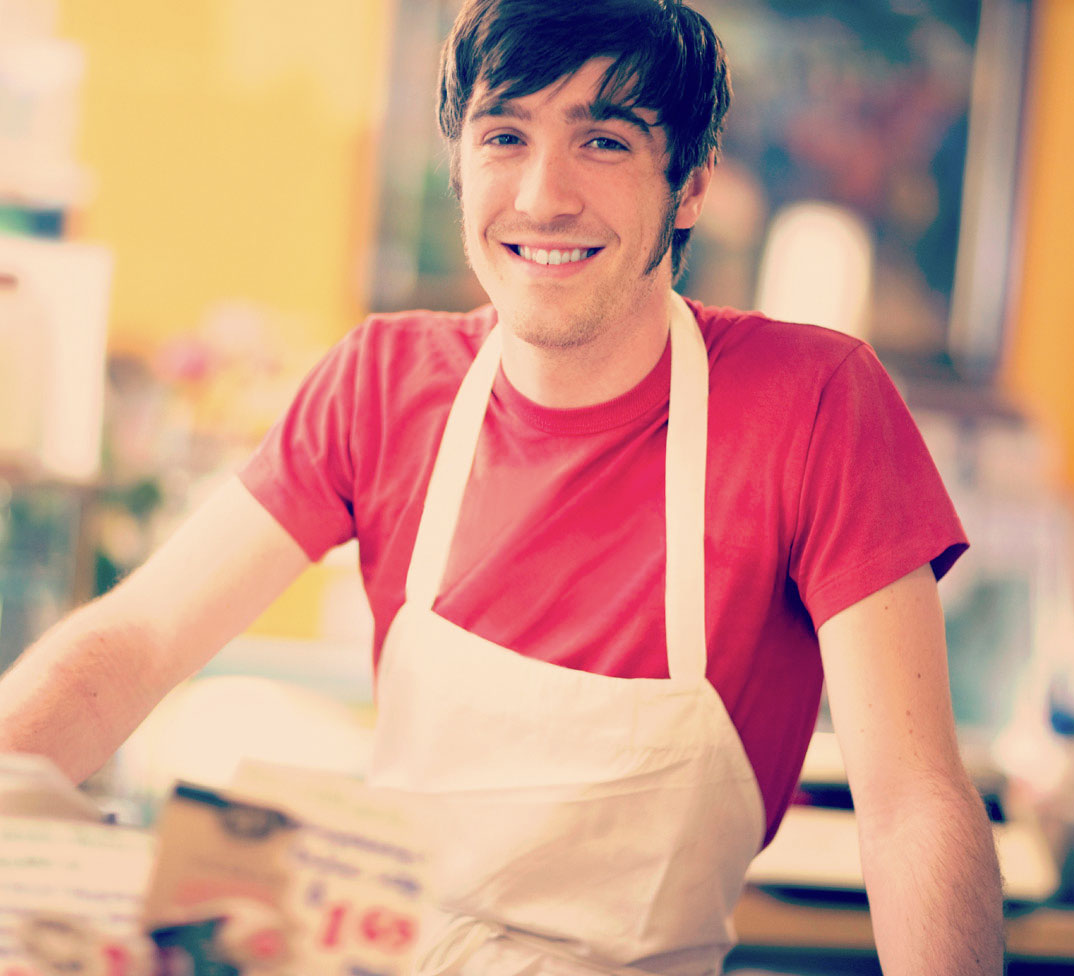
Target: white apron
585	823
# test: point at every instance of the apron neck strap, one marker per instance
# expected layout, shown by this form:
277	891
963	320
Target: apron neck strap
451	471
685	463
686	455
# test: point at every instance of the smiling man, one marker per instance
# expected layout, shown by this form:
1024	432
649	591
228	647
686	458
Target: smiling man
613	542
568	219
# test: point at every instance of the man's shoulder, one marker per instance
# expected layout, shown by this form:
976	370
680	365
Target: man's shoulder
425	327
795	358
411	347
741	332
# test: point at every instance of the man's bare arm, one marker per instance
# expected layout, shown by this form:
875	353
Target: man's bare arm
926	844
79	691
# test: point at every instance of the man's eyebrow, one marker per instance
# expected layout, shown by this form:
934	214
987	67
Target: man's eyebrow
495	106
603	110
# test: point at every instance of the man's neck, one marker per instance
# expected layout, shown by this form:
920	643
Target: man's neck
600	370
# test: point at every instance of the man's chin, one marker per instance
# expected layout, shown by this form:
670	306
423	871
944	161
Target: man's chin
553	332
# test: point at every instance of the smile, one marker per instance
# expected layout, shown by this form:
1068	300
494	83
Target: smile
540	255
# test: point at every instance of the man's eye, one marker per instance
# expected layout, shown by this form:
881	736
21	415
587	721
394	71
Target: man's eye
606	143
503	139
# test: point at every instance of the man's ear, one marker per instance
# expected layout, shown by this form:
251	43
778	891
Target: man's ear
692	195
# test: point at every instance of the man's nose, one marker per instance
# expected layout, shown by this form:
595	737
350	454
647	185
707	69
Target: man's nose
547	189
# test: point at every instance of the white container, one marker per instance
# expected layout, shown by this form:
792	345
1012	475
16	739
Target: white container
24	372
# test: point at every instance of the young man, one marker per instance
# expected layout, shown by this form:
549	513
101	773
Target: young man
612	542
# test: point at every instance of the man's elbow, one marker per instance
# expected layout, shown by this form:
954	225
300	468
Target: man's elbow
938	815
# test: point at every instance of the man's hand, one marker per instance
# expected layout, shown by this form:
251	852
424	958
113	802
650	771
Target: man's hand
926	844
87	684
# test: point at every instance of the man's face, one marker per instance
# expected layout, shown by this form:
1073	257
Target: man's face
565	213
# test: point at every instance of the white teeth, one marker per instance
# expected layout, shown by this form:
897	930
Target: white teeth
542	256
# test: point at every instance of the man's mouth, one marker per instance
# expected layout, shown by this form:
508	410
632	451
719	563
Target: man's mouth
541	255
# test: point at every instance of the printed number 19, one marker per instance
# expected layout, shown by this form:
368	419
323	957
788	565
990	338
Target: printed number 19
378	927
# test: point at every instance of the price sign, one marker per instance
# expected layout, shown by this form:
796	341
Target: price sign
360	874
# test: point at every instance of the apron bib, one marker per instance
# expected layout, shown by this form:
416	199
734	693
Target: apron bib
582	823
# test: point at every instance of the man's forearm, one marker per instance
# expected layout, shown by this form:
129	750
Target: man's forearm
87	684
934	886
80	691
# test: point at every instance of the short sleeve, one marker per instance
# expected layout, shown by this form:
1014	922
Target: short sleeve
303	470
872	505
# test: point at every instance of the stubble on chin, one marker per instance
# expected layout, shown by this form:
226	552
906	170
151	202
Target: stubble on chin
562	329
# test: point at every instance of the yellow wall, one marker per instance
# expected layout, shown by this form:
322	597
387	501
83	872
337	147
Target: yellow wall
1040	367
232	147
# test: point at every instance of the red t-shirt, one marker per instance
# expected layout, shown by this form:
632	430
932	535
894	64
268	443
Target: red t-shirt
819	492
